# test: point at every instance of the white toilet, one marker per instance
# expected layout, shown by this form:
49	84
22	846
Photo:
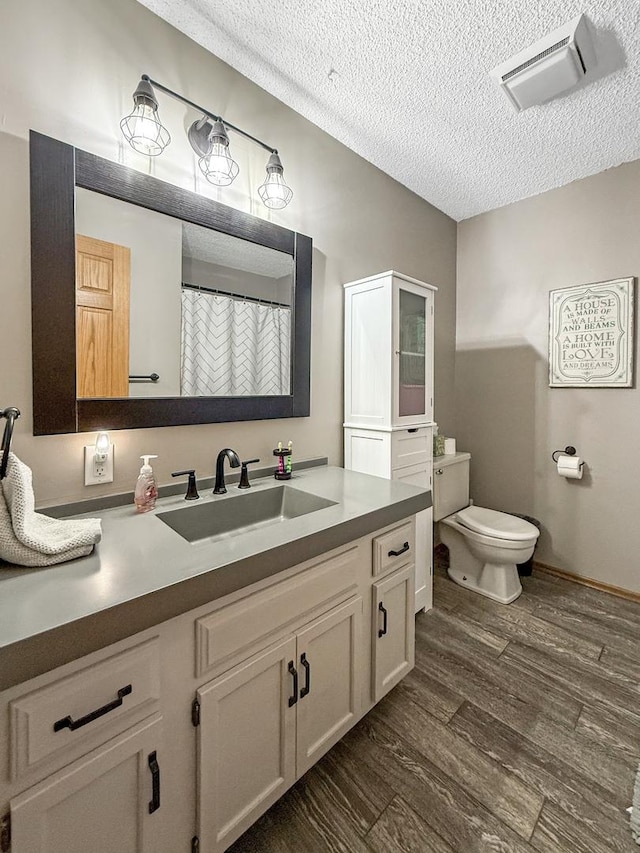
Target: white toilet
484	545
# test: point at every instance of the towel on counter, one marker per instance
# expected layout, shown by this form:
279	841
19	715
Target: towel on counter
635	811
28	538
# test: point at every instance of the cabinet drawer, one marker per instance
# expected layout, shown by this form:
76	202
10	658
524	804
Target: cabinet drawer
227	636
394	549
65	719
416	475
411	447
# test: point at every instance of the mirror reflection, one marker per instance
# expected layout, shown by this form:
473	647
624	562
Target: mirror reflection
165	308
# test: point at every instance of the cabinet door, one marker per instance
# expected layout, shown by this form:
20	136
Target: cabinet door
413	369
367	355
246	743
393	628
106	803
329	701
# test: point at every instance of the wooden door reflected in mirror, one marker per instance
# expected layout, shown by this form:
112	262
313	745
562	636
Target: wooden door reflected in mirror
103	275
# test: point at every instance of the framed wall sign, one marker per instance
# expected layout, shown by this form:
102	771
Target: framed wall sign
591	335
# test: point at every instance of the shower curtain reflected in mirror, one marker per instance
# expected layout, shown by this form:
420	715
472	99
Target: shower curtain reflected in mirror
234	347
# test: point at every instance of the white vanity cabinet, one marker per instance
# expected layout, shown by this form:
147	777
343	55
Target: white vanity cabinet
265	723
103	803
388	409
86	757
180	737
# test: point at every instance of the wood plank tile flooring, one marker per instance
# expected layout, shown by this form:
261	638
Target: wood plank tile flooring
518	730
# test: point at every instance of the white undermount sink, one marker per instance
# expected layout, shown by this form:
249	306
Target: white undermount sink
242	513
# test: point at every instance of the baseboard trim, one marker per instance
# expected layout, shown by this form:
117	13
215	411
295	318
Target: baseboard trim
590	582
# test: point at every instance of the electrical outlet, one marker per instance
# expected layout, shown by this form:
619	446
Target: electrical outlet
97	472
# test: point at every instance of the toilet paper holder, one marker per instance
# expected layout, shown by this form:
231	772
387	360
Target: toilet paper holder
568	451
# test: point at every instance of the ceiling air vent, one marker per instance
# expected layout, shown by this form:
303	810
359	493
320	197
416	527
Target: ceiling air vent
548	68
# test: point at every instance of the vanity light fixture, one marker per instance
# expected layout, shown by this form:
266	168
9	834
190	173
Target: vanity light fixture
207	136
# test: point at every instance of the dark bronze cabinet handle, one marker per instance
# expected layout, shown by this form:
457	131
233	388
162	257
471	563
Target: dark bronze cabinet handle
294	696
404	548
70	723
307	676
382	631
154	805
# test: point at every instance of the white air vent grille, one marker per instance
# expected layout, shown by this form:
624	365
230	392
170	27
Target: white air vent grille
535	59
554	65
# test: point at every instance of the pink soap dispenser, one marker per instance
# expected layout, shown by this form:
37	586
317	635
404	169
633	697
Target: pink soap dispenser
146	490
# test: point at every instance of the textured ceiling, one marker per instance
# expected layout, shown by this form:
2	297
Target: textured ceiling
214	247
412	93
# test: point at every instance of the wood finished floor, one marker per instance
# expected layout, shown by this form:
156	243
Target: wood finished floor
518	730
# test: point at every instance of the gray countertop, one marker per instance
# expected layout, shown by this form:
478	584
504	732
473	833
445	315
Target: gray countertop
142	572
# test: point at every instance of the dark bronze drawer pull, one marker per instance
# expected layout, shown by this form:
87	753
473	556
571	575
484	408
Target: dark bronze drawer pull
307	680
294	696
382	631
70	723
402	550
154	767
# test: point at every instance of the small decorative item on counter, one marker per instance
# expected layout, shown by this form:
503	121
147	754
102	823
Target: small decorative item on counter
146	491
438	445
283	471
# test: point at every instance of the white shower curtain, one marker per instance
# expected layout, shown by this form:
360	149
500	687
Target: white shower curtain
232	347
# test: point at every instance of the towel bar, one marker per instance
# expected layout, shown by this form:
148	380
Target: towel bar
11	414
152	377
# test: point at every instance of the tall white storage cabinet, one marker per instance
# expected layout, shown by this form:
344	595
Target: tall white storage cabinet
388	386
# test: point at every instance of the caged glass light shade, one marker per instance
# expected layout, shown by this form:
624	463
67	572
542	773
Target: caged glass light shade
217	165
274	192
142	128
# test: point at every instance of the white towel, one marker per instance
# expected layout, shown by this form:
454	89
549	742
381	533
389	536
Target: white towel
634	820
28	538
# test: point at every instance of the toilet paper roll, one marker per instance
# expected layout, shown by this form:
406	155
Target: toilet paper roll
449	446
570	467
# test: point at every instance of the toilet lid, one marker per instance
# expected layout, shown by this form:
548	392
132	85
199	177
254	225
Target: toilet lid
500	525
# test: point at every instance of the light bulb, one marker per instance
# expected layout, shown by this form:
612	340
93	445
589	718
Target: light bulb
103	446
218	167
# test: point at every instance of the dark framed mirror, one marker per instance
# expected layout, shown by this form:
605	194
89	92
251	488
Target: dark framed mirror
67	182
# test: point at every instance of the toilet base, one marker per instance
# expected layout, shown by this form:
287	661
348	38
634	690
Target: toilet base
498	584
484	564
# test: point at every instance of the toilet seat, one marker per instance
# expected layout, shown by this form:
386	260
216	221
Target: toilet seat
498	525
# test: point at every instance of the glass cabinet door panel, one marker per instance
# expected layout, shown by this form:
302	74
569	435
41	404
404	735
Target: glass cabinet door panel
412	367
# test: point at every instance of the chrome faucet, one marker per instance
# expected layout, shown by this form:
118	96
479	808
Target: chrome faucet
234	461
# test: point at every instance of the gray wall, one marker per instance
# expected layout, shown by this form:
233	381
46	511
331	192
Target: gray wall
507	416
68	70
196	271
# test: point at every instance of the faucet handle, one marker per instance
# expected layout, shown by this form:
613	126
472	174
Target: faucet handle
244	474
192	486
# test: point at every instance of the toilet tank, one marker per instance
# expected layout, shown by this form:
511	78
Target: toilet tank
450	484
